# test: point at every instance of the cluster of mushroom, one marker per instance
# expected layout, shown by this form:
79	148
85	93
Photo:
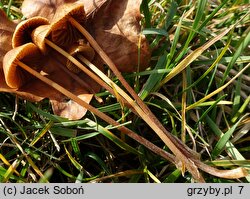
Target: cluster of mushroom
31	41
55	49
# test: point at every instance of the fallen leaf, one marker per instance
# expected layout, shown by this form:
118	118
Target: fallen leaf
7	28
116	28
47	8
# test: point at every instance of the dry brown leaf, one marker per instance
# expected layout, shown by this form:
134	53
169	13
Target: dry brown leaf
116	28
7	28
43	8
47	8
70	109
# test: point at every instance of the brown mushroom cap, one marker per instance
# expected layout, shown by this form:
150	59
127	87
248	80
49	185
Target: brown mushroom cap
22	34
39	35
79	48
29	54
62	31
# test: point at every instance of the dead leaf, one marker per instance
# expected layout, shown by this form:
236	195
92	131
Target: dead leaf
7	28
116	28
70	109
47	8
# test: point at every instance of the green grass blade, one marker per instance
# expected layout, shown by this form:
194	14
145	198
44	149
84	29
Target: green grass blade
153	78
112	137
220	146
41	133
228	163
173	176
155	31
99	161
218	90
210	108
83	137
218	59
244	43
191	57
51	117
66	132
77	165
146	12
241	110
171	13
197	20
68	175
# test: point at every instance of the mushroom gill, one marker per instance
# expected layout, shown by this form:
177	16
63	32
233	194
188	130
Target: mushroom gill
15	76
62	32
22	34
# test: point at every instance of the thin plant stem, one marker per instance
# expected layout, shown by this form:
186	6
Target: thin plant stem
101	115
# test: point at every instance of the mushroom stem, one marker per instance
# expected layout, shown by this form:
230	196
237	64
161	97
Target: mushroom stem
80	81
175	145
100	114
79	65
184	154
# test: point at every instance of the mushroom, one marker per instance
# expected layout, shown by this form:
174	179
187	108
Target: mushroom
22	34
15	76
41	36
80	48
62	33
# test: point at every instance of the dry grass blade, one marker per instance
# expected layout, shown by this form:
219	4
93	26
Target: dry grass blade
192	56
183	107
218	90
228	174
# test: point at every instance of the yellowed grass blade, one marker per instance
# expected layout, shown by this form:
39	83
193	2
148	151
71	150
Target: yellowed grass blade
217	90
183	107
192	56
33	165
6	162
11	170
